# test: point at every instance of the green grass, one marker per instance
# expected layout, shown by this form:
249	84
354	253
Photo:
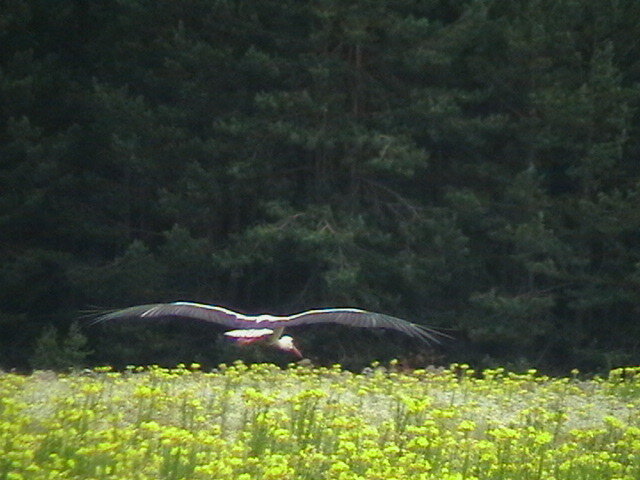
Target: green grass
261	422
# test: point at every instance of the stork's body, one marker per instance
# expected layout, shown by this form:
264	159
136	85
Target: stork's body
264	336
268	329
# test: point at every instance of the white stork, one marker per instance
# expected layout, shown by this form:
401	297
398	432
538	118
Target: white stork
267	329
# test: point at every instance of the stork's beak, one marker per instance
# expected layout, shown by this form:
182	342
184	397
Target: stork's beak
296	352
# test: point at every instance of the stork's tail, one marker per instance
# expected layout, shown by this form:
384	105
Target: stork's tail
249	335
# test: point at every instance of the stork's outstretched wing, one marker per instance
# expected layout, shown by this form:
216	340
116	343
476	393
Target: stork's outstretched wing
189	310
355	317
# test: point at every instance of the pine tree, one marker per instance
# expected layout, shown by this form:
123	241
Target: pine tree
54	353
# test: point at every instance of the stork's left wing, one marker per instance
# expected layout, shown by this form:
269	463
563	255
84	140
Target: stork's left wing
355	317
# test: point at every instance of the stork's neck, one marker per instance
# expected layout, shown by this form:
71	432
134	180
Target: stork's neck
275	336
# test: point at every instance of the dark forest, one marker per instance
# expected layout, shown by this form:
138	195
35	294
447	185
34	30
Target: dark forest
467	165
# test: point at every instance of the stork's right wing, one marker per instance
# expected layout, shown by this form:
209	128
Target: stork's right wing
181	310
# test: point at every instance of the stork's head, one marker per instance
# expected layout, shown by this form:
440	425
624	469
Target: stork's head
286	343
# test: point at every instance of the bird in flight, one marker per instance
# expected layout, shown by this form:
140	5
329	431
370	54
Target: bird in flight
268	329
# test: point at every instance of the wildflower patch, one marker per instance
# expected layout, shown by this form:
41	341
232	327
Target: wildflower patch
261	422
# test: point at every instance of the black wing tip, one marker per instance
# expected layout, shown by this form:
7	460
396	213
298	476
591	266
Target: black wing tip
433	335
98	316
428	335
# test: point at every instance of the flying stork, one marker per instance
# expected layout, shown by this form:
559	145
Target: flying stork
267	329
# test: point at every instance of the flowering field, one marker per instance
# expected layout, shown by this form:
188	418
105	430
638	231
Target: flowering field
261	422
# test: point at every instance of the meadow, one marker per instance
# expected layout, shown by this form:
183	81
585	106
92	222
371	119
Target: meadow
262	422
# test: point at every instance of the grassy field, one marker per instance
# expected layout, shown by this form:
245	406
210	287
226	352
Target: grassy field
261	422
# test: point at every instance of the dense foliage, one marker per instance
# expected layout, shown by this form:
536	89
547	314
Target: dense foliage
264	423
468	164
